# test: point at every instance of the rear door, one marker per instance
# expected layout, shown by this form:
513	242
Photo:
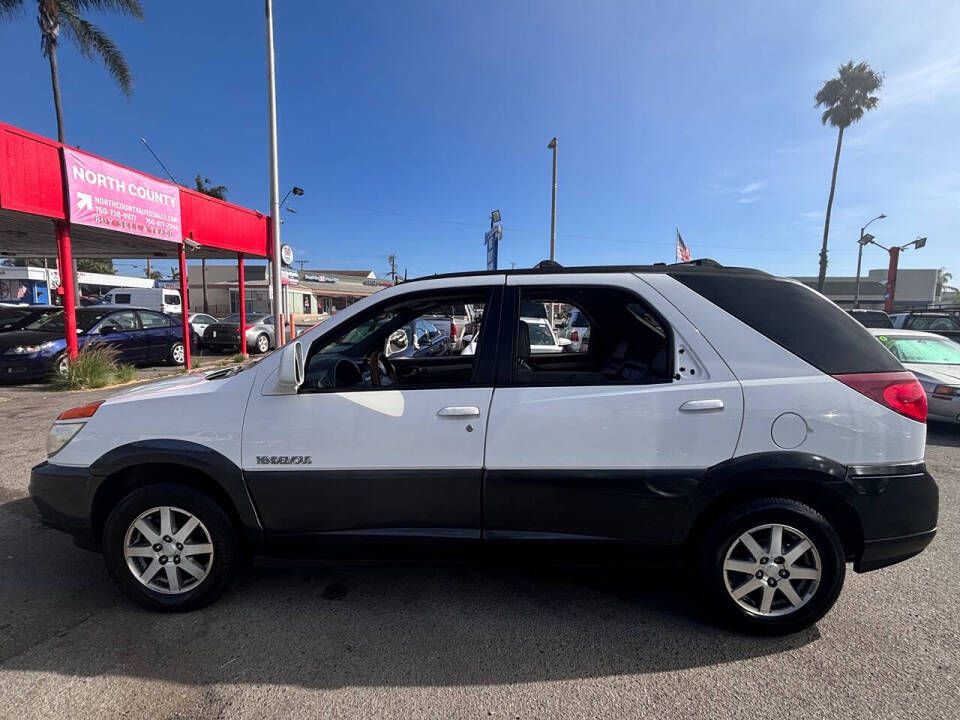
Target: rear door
609	442
160	333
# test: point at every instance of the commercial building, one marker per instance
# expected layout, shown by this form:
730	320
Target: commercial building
915	288
308	294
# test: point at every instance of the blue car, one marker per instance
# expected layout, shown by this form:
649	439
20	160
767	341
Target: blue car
141	336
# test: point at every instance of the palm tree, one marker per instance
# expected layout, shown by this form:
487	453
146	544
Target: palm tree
845	99
54	15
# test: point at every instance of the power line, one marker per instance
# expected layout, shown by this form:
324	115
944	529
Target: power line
572	236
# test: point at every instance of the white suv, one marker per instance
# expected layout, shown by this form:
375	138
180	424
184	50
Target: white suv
736	426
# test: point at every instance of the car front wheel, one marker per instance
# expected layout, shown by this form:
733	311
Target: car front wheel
170	547
262	343
772	566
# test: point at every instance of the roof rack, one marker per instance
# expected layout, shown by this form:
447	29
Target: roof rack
546	267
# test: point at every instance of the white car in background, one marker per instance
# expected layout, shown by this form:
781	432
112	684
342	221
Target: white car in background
542	337
577	331
200	321
935	360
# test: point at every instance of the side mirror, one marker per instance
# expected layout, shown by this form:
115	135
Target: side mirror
563	342
291	370
107	330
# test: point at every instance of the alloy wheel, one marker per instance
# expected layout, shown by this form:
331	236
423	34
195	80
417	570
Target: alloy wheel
263	343
178	354
168	549
772	570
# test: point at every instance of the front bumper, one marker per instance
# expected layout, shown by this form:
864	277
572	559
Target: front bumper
897	506
64	497
23	367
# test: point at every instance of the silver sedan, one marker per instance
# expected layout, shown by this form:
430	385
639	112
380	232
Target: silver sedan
225	335
935	360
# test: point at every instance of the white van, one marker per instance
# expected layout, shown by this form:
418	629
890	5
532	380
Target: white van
166	300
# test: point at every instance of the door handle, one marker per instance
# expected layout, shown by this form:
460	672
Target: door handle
701	405
459	411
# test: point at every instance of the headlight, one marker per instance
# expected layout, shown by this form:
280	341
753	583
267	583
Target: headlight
30	349
947	390
60	434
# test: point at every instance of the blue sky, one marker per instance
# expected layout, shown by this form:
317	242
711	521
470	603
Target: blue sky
407	122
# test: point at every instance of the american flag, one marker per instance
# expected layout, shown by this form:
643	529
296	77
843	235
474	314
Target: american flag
683	252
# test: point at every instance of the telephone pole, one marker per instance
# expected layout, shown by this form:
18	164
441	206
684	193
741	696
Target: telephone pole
392	259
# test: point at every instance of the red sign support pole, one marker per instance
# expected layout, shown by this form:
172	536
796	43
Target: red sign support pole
184	306
65	264
892	279
243	305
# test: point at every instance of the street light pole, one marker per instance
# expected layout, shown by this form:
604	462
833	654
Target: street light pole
856	299
553	203
275	270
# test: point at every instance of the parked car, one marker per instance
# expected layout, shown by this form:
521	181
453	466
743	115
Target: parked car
541	337
165	300
19	316
935	360
577	331
141	336
871	318
713	437
199	322
224	335
941	323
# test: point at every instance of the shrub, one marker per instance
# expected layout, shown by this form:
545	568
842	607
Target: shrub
95	366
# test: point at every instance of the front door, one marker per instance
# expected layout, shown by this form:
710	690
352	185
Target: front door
606	441
122	331
369	449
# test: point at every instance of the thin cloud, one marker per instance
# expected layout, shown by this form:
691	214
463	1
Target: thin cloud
752	187
747	199
938	77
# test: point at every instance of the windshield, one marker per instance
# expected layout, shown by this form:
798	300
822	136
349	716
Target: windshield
251	319
86	319
360	333
540	334
933	323
933	351
874	320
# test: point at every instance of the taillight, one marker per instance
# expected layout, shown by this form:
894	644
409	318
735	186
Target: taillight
453	330
899	391
574	336
78	413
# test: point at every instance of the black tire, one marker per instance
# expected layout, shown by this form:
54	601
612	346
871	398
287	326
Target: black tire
724	535
224	565
172	355
262	343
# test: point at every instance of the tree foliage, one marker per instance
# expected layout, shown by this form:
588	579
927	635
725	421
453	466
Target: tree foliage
848	96
203	185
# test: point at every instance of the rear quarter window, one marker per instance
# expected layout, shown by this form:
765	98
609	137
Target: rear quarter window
797	318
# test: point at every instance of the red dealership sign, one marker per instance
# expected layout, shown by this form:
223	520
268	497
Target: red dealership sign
102	194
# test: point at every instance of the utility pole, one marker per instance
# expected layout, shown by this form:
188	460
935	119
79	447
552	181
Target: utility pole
894	253
203	282
301	263
392	259
275	269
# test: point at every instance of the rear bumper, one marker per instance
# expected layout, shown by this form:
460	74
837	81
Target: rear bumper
898	507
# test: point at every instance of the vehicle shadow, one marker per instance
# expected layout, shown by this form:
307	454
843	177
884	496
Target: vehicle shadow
326	626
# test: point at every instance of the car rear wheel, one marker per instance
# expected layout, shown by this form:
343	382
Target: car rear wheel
772	566
170	547
177	355
262	343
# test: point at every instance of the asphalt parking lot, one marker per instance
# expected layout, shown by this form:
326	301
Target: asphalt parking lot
443	641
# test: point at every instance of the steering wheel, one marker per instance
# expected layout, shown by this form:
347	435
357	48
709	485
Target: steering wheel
381	369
